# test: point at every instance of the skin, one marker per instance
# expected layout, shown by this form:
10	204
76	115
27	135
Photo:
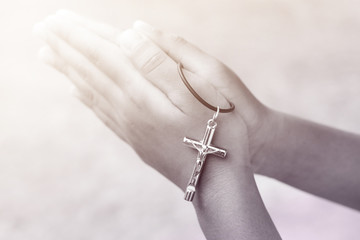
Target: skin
315	158
130	80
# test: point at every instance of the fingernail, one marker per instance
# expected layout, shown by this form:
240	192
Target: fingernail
143	26
130	40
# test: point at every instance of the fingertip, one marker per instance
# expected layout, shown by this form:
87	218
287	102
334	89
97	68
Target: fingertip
143	26
122	37
129	40
50	22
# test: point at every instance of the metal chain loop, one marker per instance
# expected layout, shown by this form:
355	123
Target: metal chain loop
200	99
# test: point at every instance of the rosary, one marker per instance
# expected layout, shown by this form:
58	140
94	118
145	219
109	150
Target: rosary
203	146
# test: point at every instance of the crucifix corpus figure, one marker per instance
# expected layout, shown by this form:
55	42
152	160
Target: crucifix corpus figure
204	148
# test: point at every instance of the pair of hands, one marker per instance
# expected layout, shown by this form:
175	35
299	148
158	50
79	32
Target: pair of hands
130	81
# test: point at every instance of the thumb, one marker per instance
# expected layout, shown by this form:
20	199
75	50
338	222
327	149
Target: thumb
177	48
223	79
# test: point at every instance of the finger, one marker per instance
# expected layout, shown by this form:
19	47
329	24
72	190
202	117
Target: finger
88	72
48	56
216	73
161	70
103	114
145	55
191	57
110	60
103	54
142	98
84	92
103	30
146	62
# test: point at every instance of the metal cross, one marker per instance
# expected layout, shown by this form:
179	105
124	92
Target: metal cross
204	148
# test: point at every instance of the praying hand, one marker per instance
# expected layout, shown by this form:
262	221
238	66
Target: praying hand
130	81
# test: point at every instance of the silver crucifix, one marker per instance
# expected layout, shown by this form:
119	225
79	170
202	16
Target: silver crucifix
204	148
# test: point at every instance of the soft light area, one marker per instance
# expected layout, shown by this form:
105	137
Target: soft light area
64	175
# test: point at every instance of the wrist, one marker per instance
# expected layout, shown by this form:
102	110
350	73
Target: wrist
219	184
218	200
231	207
264	145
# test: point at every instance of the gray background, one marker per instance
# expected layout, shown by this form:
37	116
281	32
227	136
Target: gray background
64	175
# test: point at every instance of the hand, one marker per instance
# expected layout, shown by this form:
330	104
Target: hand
130	80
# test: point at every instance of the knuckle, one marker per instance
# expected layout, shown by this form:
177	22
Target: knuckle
152	62
157	33
213	67
64	68
147	56
178	40
107	123
178	43
91	98
138	46
93	54
86	79
66	35
83	72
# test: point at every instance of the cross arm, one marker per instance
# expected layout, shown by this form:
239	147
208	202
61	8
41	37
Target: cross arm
216	151
192	143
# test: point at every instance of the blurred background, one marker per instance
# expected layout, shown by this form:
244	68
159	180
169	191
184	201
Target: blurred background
64	175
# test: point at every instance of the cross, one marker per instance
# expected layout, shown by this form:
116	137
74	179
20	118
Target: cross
204	148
